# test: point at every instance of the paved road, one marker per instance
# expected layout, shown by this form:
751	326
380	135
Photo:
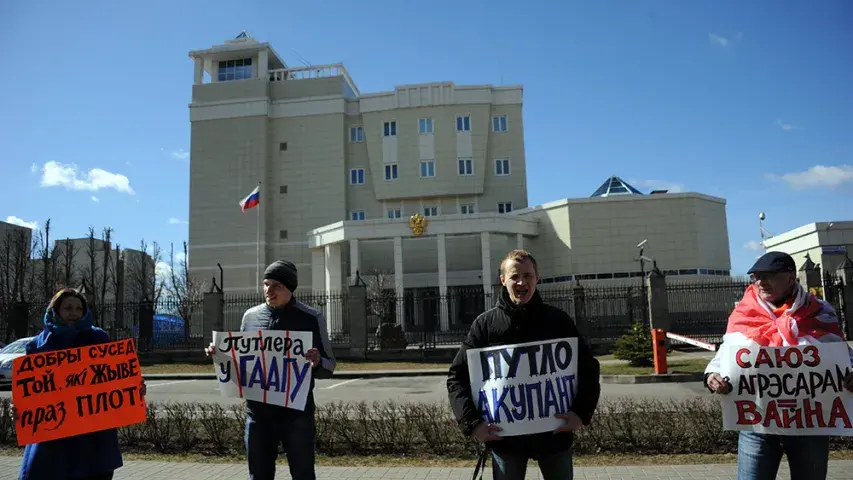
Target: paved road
205	471
412	389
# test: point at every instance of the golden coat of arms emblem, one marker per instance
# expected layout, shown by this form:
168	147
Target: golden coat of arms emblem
418	224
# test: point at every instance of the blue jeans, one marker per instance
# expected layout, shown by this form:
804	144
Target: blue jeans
759	456
557	466
294	431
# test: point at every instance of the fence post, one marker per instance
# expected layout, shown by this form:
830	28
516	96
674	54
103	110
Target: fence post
213	315
659	318
810	278
845	273
357	305
579	310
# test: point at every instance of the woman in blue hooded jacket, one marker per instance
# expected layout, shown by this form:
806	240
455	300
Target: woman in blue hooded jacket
90	456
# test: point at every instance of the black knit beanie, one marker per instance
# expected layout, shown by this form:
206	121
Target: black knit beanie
283	272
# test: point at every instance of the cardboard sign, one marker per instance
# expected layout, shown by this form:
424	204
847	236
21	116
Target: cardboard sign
797	390
79	390
266	366
521	387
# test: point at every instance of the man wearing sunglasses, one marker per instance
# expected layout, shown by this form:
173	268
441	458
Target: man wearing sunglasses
777	311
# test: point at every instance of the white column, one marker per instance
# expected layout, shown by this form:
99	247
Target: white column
519	241
333	287
318	269
261	68
398	280
486	251
198	74
442	284
354	260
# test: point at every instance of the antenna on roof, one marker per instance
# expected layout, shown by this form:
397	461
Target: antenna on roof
301	58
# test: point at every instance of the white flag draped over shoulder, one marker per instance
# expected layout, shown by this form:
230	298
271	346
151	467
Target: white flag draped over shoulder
266	366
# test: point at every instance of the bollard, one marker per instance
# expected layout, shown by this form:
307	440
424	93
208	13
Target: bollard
659	349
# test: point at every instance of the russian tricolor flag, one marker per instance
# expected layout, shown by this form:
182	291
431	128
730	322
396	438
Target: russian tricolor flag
253	200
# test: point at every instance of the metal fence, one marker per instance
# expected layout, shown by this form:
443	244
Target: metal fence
421	317
701	309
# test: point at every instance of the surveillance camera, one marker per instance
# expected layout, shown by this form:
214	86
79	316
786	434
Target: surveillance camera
761	216
642	244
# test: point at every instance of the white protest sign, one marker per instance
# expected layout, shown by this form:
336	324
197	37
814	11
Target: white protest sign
797	390
265	366
521	387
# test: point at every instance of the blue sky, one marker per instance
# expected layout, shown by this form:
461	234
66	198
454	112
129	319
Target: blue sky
749	101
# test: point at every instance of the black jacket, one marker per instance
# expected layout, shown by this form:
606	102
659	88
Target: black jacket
506	324
294	316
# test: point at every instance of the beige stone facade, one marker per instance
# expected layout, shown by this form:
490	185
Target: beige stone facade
342	173
827	244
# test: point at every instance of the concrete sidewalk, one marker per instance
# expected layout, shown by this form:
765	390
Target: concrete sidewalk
206	471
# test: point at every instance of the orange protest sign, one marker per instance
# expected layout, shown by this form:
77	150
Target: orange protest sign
79	390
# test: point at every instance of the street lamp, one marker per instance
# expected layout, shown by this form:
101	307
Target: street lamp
765	234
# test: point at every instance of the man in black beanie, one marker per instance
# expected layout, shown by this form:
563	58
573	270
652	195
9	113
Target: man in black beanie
268	425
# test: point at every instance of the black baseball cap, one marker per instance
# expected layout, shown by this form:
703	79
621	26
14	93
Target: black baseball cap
773	262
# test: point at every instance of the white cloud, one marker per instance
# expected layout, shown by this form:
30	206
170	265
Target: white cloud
162	270
672	187
817	176
178	221
21	222
753	246
723	41
787	126
96	199
180	154
55	174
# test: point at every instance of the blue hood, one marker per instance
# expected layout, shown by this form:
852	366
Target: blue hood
63	333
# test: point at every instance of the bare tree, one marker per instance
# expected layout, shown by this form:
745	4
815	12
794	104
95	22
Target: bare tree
66	258
144	282
184	290
107	264
48	256
381	295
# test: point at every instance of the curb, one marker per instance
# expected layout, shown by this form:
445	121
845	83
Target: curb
372	374
645	379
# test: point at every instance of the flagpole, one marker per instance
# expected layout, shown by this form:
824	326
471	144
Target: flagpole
258	249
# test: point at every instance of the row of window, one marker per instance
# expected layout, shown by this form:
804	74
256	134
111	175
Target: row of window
623	275
431	211
427	170
426	127
240	69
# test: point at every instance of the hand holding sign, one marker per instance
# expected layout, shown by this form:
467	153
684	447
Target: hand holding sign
718	384
848	382
483	432
313	356
573	422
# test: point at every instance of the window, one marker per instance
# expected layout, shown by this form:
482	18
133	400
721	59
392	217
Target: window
499	123
356	215
501	166
282	147
425	126
282	189
394	213
428	168
463	123
391	171
356	176
466	209
390	129
235	69
466	166
356	134
504	207
430	211
282	234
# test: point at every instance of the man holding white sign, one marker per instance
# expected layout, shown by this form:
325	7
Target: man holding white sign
523	379
784	372
283	345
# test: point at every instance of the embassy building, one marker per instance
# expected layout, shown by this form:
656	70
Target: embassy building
424	186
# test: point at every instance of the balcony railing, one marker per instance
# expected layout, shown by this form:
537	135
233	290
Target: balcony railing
316	71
